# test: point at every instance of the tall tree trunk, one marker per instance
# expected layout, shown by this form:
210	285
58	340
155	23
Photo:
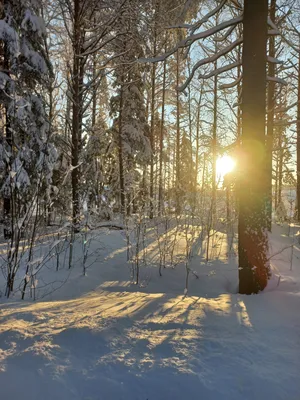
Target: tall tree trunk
203	180
276	179
239	93
177	181
214	146
197	148
270	119
67	134
252	225
144	192
153	88
161	141
151	193
94	200
7	217
298	143
48	203
280	167
120	152
77	111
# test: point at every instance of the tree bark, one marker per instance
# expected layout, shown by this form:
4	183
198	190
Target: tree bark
198	122
77	80
214	146
120	151
177	181
153	88
252	224
161	142
276	179
7	218
153	84
270	120
298	143
280	168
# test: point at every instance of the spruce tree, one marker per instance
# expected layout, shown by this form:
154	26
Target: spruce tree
26	153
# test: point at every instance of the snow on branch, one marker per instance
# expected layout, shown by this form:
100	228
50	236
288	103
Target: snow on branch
272	25
4	78
285	122
199	23
236	82
188	41
225	36
8	34
231	84
276	31
208	60
275	60
219	71
33	22
286	109
277	80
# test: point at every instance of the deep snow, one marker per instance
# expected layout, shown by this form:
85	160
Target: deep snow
101	337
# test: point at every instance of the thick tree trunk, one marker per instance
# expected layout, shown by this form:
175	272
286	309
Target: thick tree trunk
239	93
252	226
153	88
298	143
270	120
77	80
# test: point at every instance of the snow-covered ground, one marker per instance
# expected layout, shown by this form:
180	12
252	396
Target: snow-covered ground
101	337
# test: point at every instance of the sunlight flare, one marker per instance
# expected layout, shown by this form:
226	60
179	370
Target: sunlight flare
225	164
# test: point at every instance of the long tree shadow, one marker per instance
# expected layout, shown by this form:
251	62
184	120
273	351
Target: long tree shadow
127	342
128	345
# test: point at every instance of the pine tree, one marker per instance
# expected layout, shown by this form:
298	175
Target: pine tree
130	127
26	153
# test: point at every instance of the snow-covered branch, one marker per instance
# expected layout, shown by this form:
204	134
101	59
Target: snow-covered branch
220	70
198	24
275	60
231	84
208	60
277	80
188	41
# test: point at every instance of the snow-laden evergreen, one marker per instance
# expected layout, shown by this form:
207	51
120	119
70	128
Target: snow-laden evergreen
27	155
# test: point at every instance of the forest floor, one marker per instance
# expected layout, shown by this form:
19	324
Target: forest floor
101	337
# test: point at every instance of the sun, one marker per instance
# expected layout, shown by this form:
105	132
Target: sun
225	164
